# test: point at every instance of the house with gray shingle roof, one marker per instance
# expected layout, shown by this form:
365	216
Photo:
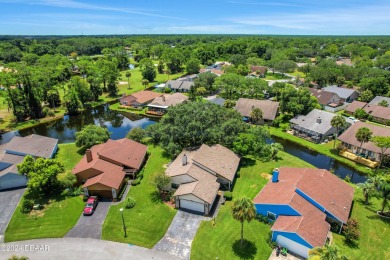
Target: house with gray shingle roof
197	174
379	99
348	95
13	153
315	126
179	85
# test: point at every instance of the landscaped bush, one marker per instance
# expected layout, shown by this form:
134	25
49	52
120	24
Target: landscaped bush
262	218
140	175
284	126
27	206
351	231
228	195
136	182
85	198
129	202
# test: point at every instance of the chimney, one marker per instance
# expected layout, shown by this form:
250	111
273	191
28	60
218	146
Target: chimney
184	159
275	175
163	98
88	153
319	120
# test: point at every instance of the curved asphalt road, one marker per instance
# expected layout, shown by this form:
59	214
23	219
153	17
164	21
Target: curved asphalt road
79	248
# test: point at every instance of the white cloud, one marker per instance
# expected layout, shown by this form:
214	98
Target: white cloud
366	20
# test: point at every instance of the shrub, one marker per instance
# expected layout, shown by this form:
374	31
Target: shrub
136	182
85	198
129	202
284	126
228	195
351	231
27	206
45	111
262	218
140	175
348	178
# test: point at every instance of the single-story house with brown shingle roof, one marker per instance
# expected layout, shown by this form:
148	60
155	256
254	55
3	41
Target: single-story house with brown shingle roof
301	202
244	106
325	97
103	168
198	173
349	141
351	108
13	153
139	99
160	104
378	113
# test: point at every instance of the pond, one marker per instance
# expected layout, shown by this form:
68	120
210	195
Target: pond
320	161
64	129
119	124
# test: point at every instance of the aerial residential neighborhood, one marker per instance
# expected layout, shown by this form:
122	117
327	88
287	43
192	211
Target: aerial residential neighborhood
224	130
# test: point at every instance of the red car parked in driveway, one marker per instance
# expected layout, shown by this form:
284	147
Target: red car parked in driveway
91	205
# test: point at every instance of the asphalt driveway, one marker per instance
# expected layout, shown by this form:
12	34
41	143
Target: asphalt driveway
91	226
178	239
8	201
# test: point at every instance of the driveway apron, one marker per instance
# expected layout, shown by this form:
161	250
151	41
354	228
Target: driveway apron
91	226
178	239
8	202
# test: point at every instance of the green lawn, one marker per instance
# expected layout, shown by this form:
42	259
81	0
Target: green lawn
275	76
148	221
222	240
68	155
54	221
297	73
58	216
374	231
325	149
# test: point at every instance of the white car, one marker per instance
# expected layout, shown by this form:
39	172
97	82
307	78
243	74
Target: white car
353	119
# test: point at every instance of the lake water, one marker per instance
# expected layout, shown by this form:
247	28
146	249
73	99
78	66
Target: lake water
119	124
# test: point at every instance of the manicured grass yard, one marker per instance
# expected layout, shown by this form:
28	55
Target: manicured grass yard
374	240
54	221
57	218
68	155
222	240
148	221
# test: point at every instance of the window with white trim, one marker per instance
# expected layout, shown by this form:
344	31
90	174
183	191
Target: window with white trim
271	216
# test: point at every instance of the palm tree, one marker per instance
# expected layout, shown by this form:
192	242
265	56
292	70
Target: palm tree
256	115
338	122
383	143
384	188
275	148
243	209
363	135
368	189
145	82
128	75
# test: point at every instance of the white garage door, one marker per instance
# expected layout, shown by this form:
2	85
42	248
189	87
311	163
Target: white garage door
191	205
10	181
293	246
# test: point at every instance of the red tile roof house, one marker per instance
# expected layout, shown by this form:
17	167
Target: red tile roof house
139	99
103	168
301	202
244	106
197	175
13	153
349	141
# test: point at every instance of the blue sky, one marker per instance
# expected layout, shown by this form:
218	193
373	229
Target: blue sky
300	17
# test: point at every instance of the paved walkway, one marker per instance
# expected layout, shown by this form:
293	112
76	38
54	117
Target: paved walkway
8	202
282	257
81	248
178	239
91	226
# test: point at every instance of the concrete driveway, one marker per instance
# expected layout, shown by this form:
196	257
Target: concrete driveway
80	248
8	201
178	239
91	226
